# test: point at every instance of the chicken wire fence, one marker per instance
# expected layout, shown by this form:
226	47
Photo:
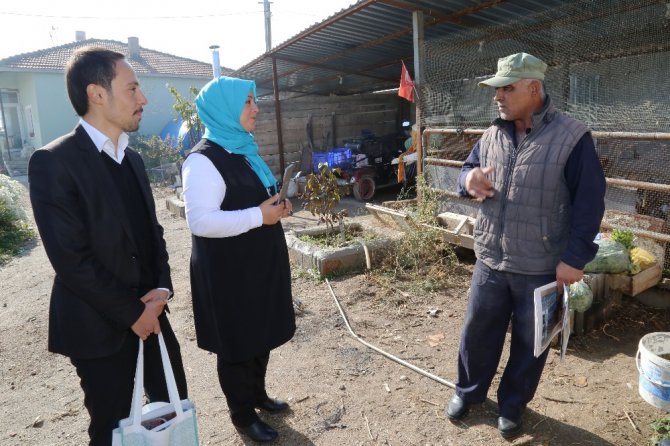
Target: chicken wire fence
609	67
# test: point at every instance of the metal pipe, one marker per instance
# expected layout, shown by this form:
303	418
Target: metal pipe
659	236
216	63
657	187
268	25
382	352
657	136
639	232
639	136
280	135
443	162
454	131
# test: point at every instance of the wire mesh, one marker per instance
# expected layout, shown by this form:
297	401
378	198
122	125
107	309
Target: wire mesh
609	67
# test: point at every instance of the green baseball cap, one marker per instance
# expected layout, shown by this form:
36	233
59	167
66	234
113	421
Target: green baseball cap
514	68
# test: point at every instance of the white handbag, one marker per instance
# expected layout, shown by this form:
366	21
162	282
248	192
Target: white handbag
157	424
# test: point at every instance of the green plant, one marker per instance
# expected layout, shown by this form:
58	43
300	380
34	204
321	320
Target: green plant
624	236
14	232
330	240
311	274
422	258
321	197
158	155
661	428
186	110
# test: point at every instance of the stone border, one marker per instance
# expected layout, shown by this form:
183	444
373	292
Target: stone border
329	261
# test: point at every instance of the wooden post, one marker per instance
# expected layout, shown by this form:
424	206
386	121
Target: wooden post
280	136
417	40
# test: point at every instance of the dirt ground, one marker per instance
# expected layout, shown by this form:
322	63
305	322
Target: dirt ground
341	392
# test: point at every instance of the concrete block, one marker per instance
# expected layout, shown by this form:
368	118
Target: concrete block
333	260
176	206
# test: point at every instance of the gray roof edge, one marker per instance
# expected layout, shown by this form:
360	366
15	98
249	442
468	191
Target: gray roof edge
99	42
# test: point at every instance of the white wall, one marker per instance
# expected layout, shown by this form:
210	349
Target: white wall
54	116
158	111
52	112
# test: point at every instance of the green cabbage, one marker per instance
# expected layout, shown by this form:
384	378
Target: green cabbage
580	296
612	257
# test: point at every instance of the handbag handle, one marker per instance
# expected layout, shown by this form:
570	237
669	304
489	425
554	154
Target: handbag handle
138	390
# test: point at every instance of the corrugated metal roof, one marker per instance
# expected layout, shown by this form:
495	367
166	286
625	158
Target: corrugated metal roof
149	62
359	49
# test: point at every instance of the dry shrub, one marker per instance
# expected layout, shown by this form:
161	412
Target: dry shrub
422	260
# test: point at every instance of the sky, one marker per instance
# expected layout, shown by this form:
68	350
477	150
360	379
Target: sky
186	28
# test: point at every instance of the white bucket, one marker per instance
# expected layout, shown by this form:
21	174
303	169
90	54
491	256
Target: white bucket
654	386
292	188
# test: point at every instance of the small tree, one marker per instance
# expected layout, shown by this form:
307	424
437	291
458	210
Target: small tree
160	159
186	110
321	197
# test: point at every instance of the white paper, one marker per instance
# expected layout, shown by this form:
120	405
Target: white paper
565	329
551	317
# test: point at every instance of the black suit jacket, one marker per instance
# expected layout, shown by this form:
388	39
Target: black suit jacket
82	221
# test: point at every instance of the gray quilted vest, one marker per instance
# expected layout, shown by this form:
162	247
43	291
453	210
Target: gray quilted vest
524	228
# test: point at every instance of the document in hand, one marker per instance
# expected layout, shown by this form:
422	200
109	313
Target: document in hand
551	317
565	332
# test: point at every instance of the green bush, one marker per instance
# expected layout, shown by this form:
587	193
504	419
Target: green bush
321	197
161	160
14	232
154	151
422	259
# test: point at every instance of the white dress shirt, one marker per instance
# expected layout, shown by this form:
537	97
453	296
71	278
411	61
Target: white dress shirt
105	144
204	190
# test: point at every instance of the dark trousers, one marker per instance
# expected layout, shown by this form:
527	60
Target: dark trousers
108	382
495	298
243	384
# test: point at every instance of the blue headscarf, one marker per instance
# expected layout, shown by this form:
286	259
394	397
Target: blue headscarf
220	104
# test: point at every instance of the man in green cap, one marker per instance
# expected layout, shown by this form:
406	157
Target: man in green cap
541	187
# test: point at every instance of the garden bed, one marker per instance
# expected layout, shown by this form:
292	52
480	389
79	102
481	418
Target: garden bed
330	260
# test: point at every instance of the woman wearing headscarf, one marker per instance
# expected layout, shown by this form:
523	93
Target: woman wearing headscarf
240	274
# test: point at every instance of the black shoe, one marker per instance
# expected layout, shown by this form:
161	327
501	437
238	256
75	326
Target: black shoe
259	431
272	405
457	408
508	428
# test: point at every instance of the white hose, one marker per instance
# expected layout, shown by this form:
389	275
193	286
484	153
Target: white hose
382	352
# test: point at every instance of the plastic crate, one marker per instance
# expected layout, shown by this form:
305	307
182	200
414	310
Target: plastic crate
318	158
339	157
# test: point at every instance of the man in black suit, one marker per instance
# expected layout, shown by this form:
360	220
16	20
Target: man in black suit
96	216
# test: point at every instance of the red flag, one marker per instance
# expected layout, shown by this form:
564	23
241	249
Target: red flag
406	89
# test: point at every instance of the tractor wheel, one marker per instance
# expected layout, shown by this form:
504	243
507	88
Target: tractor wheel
364	188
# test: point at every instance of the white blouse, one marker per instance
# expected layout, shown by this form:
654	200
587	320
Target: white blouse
204	190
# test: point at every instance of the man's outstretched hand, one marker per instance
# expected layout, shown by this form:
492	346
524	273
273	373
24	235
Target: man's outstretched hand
477	183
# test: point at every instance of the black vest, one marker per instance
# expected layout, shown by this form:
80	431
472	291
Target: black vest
241	285
140	220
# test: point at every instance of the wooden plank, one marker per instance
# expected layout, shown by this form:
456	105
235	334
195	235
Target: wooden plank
390	217
460	226
458	221
464	240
